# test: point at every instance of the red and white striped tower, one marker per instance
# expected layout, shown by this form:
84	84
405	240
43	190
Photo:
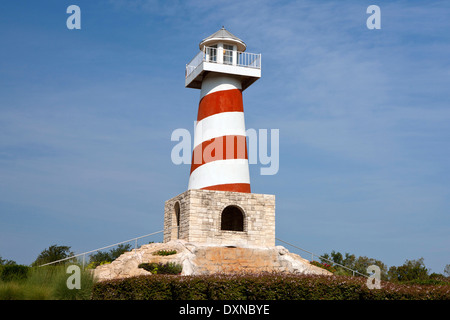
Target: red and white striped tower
222	70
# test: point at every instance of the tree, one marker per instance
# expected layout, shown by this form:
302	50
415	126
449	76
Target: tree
337	260
362	263
5	262
410	270
113	254
52	253
350	261
447	270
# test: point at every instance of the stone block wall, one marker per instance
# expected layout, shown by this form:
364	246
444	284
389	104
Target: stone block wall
200	218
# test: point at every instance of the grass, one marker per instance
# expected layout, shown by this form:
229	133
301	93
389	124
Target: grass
47	283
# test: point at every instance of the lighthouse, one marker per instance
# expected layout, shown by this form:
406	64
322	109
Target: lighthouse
218	206
219	224
222	70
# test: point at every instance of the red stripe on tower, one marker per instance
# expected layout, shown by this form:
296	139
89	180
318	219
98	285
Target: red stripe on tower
221	148
220	101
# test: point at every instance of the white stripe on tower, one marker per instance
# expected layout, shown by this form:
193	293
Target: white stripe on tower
231	171
219	125
214	83
219	159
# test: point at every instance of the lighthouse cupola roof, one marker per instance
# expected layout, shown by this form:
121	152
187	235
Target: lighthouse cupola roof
223	53
224	36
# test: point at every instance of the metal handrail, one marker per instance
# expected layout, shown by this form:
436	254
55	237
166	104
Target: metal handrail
243	59
160	231
195	62
313	254
250	60
112	245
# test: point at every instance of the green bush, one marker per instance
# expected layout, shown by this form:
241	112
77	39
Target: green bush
261	287
324	265
189	288
270	286
164	252
13	272
135	288
162	268
433	282
102	257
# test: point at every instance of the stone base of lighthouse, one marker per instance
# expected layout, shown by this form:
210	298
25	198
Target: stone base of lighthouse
204	259
215	232
221	218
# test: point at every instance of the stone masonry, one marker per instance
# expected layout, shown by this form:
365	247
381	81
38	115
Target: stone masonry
195	216
203	259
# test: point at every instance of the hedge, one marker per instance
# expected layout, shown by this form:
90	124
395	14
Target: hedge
260	287
13	272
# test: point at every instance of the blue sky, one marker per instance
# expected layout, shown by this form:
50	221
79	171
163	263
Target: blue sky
86	118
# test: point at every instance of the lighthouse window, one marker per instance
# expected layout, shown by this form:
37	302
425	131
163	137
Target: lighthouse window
211	53
232	219
176	220
227	54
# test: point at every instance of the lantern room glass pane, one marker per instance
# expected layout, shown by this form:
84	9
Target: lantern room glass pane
211	53
227	54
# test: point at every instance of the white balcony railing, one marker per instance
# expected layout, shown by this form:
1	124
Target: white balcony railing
229	57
